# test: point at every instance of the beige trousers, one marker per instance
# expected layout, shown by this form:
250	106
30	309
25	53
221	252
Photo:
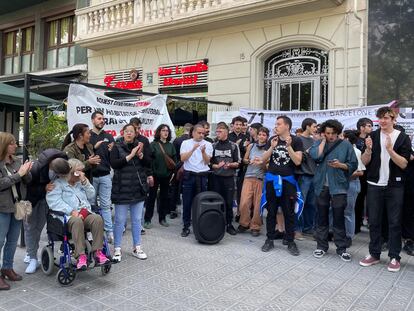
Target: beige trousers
250	196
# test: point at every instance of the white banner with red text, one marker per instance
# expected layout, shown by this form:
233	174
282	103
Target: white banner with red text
347	116
83	101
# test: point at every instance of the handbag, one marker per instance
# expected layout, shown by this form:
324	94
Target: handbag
168	161
23	208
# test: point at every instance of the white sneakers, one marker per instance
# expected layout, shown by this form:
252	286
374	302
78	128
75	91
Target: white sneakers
139	253
32	267
26	258
117	254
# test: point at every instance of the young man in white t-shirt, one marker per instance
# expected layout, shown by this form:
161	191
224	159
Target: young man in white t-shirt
386	157
195	153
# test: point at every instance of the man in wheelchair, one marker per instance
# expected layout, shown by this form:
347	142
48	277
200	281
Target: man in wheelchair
71	195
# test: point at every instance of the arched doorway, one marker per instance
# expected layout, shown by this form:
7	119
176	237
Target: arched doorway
296	79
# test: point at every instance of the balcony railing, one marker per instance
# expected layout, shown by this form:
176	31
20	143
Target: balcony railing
120	16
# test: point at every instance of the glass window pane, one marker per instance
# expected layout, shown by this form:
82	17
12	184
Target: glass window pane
284	90
8	65
53	26
72	56
306	96
51	59
295	96
64	30
63	57
15	64
26	62
9	43
27	37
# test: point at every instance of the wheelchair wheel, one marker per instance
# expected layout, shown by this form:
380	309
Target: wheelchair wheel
47	260
66	276
106	268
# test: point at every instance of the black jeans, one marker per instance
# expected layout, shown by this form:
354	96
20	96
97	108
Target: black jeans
224	185
163	210
391	200
287	203
338	203
360	203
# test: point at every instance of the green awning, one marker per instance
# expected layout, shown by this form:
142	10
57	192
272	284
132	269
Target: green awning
11	95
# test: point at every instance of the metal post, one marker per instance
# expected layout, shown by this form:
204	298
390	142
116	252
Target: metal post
25	135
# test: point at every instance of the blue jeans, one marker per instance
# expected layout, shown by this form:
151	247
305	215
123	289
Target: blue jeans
349	212
9	234
121	213
192	185
307	221
103	187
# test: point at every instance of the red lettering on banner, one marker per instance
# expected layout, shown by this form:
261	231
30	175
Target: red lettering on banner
111	132
125	85
147	133
142	104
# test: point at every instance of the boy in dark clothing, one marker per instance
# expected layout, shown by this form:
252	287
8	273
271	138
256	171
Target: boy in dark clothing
225	161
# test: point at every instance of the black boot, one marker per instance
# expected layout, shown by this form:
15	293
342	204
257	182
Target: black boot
268	245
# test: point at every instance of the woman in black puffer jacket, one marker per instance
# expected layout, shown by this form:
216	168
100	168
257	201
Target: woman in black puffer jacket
129	189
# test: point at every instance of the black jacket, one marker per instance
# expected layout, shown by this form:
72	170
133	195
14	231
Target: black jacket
104	168
129	184
402	146
36	190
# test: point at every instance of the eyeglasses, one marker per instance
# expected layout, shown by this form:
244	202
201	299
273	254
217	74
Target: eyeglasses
129	132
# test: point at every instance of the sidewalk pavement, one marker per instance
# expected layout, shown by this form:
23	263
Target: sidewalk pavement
181	274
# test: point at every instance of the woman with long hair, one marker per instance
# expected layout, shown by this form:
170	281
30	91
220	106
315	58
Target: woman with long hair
14	176
129	189
80	148
163	166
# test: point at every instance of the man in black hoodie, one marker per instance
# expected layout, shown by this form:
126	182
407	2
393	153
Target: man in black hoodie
386	157
36	194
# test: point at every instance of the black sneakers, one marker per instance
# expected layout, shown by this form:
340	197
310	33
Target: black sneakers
268	245
293	249
241	229
409	247
230	230
185	232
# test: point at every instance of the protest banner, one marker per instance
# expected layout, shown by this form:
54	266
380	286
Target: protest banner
347	116
83	101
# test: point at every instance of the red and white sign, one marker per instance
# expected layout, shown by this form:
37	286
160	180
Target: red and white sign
189	75
124	79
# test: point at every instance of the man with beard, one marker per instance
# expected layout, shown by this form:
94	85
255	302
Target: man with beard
102	143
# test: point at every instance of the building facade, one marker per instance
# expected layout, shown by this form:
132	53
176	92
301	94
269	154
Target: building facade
273	54
38	37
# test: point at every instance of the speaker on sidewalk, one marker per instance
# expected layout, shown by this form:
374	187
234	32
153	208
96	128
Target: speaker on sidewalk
208	217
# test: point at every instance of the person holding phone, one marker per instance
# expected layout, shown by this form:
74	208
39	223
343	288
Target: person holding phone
14	177
336	161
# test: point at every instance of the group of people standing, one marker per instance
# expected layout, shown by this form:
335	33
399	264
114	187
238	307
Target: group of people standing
312	183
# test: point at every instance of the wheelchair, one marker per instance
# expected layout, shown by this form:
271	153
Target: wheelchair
57	231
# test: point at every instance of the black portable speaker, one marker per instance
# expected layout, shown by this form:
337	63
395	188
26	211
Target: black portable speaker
208	217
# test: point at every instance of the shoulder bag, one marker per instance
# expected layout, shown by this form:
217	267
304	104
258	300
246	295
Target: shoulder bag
168	161
23	208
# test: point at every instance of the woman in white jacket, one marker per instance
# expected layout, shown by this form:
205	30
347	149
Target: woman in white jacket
72	195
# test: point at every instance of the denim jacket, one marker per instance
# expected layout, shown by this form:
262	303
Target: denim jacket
66	198
338	179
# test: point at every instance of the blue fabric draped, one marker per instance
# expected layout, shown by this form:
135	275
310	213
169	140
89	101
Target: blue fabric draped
277	181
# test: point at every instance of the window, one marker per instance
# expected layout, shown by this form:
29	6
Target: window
297	79
18	50
60	45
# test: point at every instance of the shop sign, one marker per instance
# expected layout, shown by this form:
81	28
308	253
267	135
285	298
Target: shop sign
187	75
124	79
